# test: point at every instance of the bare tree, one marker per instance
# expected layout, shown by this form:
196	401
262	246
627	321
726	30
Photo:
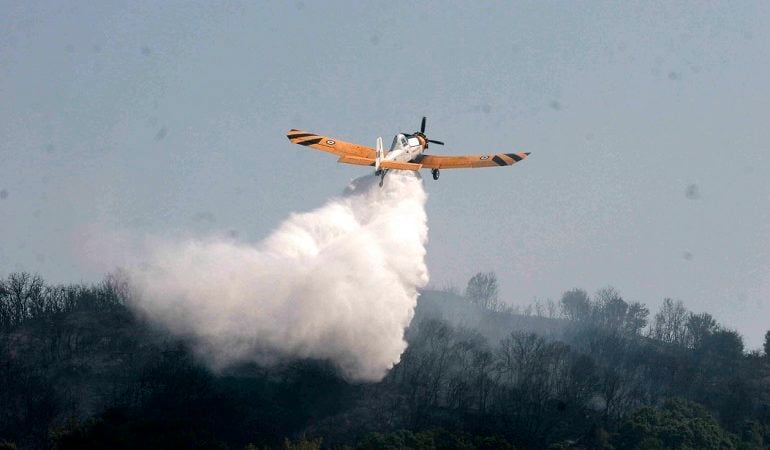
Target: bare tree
539	308
551	307
5	306
451	288
610	309
482	291
671	323
24	296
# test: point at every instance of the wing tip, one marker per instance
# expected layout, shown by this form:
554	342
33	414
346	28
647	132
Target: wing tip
295	135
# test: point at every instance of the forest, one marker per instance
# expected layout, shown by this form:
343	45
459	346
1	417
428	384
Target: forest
80	370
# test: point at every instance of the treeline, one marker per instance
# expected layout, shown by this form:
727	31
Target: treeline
673	324
589	372
24	296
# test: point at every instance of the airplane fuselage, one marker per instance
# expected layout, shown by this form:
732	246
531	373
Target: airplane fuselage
406	148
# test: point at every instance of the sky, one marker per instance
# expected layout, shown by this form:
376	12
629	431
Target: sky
648	124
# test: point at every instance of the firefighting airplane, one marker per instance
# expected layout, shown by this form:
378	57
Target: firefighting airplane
406	153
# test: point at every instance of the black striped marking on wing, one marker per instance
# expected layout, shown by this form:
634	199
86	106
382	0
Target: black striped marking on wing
300	135
500	161
309	138
310	141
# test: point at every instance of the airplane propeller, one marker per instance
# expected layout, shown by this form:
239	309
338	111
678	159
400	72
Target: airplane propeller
422	133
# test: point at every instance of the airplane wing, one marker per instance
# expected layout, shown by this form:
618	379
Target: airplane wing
347	159
470	161
331	145
400	165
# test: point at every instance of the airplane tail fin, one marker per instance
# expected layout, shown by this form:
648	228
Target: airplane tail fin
380	155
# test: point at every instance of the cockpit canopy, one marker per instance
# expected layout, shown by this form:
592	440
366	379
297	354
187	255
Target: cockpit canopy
404	141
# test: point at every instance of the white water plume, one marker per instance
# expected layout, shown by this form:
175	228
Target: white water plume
337	283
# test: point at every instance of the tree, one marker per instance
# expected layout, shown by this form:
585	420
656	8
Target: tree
575	305
636	318
680	424
302	444
767	344
539	308
670	323
482	290
699	328
21	296
551	308
610	309
724	345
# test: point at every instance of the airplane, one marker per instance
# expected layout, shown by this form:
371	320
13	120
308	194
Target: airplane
406	153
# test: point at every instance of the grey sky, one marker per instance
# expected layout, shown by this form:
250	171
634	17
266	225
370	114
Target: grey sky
648	123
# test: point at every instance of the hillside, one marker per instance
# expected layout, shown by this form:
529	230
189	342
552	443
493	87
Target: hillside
79	370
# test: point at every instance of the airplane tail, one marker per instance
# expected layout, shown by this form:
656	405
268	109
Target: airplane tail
380	155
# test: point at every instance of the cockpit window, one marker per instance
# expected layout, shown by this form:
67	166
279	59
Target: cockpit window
395	144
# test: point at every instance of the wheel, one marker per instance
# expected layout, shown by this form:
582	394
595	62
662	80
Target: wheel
435	173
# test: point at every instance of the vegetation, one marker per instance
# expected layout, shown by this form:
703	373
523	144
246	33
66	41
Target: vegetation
78	370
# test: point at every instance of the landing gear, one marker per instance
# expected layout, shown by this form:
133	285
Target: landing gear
381	173
435	173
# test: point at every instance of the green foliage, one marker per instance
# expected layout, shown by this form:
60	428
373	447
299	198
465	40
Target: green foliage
726	345
117	431
680	424
767	344
303	444
437	439
598	439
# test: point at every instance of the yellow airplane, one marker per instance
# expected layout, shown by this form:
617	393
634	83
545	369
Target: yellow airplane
406	153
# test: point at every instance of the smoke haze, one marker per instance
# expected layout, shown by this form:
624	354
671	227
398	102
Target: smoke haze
337	283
